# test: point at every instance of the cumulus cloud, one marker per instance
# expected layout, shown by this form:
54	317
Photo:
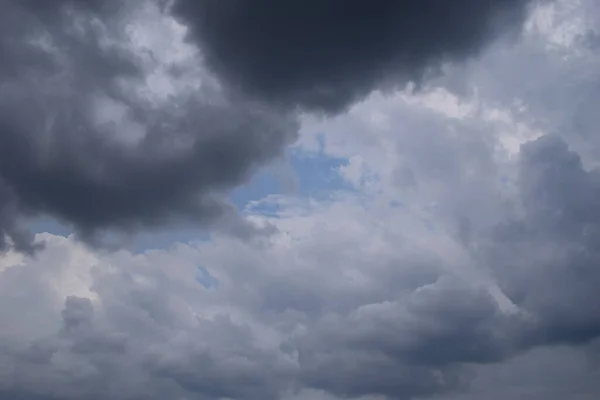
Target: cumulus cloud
459	262
324	55
329	307
106	124
547	259
112	122
281	321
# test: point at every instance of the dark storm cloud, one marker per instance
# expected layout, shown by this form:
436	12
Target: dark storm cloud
63	65
547	261
325	54
60	66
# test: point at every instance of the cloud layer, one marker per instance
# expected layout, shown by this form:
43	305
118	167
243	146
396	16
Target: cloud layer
458	261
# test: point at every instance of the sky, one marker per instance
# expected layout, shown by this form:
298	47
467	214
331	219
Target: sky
316	200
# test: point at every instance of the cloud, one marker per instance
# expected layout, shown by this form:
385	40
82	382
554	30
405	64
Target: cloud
336	302
317	316
546	260
542	373
325	55
104	128
413	346
124	339
549	81
460	262
112	123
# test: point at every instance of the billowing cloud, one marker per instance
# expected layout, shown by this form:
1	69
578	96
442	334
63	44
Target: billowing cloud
458	262
103	127
111	122
324	55
348	299
140	326
547	261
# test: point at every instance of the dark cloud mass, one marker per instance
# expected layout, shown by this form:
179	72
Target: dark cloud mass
66	72
78	142
325	54
65	66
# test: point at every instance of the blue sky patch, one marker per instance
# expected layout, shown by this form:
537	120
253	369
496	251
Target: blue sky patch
204	278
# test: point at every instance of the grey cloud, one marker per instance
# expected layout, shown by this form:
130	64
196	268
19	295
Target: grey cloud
141	339
10	227
65	66
137	342
547	260
539	240
286	318
324	55
436	339
549	81
411	330
546	373
544	254
415	346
